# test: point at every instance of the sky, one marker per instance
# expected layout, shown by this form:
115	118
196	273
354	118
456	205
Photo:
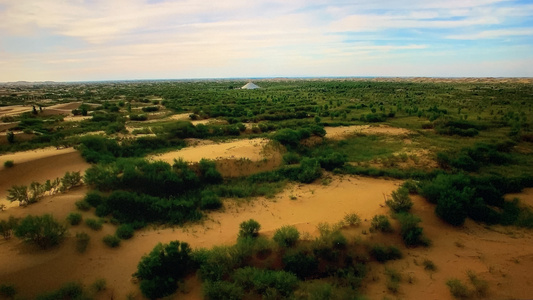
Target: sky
84	40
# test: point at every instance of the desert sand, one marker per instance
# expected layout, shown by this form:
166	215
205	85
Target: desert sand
337	133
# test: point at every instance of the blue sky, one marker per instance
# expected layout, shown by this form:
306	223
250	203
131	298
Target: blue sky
73	40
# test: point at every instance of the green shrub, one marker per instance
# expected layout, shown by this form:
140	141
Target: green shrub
381	223
43	231
309	170
7	227
209	200
94	224
266	281
400	202
125	231
411	186
222	290
94	198
74	218
286	236
83	205
8	164
111	241
7	290
481	286
411	233
71	180
385	253
249	228
160	270
458	289
82	241
301	264
291	158
352	219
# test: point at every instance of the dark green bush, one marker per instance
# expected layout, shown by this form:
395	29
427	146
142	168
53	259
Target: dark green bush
74	218
160	270
43	231
249	228
7	290
263	281
94	198
222	290
8	164
301	264
209	200
411	233
384	253
125	231
309	170
400	201
286	236
70	290
111	241
291	158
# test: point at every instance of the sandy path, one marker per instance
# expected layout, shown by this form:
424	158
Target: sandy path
341	132
38	165
236	149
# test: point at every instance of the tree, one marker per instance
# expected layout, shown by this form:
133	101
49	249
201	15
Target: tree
18	193
43	231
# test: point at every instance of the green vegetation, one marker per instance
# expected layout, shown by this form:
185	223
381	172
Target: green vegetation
94	224
44	231
400	201
381	223
82	241
74	218
8	164
125	231
8	226
112	241
249	228
286	236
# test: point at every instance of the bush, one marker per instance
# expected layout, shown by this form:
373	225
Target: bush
125	231
300	264
458	289
286	236
7	290
400	201
111	241
70	290
82	205
82	241
291	158
429	265
249	228
209	200
94	198
385	253
160	270
99	285
43	231
7	227
8	164
222	290
381	223
74	218
352	219
94	224
411	233
71	180
266	281
309	170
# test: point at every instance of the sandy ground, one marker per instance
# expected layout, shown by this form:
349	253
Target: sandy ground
38	165
501	255
58	109
341	132
235	149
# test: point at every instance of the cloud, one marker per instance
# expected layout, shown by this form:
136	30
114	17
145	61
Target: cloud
494	34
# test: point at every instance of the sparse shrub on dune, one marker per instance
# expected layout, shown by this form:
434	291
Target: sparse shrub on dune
381	223
74	218
286	236
44	231
8	164
249	228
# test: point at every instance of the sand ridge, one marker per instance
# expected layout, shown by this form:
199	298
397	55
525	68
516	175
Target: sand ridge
341	132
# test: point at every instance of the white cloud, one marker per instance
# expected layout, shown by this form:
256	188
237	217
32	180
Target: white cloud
493	34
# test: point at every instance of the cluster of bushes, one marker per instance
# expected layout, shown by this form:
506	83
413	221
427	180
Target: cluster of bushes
43	231
458	127
249	267
459	196
472	158
27	195
291	138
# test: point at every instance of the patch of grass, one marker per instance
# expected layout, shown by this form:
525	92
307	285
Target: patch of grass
352	219
385	253
94	224
393	280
